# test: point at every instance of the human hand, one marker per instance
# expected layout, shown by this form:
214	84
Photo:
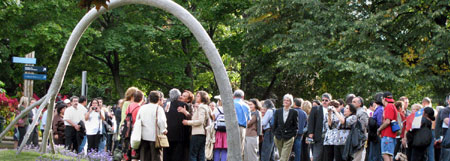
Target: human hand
77	127
185	122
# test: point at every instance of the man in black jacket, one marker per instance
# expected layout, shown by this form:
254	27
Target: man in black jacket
316	128
285	127
178	134
442	124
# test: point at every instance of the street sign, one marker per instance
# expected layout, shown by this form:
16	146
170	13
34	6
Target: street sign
24	60
35	69
35	76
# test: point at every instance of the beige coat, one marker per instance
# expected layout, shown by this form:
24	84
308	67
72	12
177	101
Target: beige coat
199	120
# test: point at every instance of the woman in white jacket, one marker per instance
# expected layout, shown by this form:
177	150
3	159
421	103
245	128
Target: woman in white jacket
147	114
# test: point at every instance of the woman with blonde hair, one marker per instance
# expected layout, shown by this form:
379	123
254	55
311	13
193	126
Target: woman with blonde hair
306	106
128	99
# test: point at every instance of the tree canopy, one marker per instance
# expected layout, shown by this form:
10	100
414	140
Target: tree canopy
269	48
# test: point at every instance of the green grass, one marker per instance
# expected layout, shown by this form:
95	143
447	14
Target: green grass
10	155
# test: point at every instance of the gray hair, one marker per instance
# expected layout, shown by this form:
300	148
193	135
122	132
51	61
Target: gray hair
268	104
238	93
327	95
290	97
174	94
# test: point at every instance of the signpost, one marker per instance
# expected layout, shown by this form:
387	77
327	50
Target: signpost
26	60
29	60
34	76
35	69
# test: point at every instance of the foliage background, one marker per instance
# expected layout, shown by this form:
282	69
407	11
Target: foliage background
269	48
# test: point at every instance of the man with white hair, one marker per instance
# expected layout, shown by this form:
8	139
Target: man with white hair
243	115
285	127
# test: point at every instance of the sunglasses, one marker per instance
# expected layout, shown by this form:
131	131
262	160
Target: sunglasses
326	100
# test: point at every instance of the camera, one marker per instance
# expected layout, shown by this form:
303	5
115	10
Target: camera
94	108
309	140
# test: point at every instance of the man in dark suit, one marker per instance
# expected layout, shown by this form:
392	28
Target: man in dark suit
316	129
285	127
178	134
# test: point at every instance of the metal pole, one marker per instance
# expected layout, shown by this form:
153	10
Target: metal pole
83	83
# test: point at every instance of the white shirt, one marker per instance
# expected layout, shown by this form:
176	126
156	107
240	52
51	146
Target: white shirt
285	114
74	114
94	123
147	114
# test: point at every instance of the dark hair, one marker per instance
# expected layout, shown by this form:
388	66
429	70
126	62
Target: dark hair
154	96
352	109
317	102
268	104
96	100
190	97
256	103
398	105
82	99
59	107
138	95
99	98
334	103
349	98
371	103
341	101
298	102
379	98
204	97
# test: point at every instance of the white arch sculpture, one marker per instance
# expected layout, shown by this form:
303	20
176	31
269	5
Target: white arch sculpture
234	150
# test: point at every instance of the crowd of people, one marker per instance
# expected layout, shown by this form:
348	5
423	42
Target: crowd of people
195	127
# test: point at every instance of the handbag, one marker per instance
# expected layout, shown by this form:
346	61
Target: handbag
136	134
161	140
394	126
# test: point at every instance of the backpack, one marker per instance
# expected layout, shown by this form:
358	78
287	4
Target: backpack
127	126
422	137
220	122
372	129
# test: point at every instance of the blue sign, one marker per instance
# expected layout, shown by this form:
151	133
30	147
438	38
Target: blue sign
24	60
35	69
35	76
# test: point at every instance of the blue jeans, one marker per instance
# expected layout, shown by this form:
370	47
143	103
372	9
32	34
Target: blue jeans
431	148
267	147
102	145
83	143
220	154
197	148
375	151
297	148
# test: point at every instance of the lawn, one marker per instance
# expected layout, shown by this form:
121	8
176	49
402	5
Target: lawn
10	155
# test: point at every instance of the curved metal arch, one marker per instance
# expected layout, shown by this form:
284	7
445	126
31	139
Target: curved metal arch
234	150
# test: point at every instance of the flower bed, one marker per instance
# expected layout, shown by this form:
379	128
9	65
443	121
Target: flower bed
32	154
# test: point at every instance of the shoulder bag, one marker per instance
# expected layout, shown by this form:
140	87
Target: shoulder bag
136	134
161	140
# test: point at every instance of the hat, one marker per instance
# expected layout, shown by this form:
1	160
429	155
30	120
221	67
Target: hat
217	97
66	101
388	97
430	112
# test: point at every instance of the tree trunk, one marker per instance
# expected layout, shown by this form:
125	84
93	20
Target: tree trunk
115	71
